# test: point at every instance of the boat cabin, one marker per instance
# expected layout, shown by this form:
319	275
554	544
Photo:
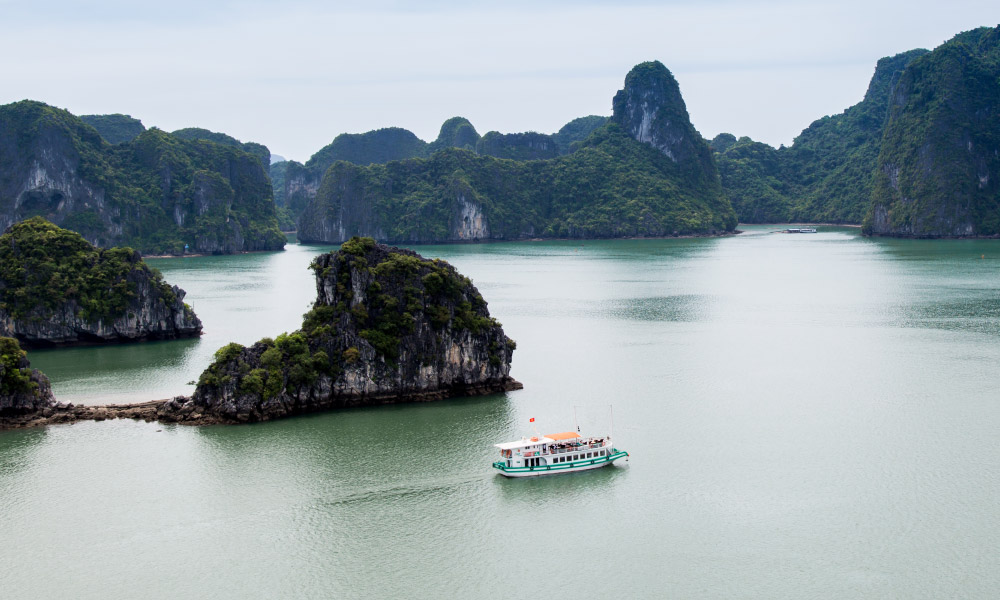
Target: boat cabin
553	449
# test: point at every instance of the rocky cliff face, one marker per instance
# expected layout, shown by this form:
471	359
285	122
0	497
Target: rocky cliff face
939	165
23	390
56	289
650	108
157	192
345	218
387	326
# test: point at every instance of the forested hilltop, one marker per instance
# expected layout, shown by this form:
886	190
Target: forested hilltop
296	184
157	192
826	175
939	167
116	128
918	156
646	172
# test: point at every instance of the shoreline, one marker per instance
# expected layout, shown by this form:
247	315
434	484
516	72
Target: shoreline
407	243
181	410
804	223
202	254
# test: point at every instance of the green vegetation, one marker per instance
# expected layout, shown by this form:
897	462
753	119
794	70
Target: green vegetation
518	146
826	176
258	150
117	128
159	192
939	165
918	156
378	146
573	133
295	184
754	176
613	186
456	132
15	376
42	267
277	172
213	203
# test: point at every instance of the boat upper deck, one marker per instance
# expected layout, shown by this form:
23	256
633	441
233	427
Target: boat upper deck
552	443
532	442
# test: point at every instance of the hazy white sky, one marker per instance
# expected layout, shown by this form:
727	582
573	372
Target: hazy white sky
294	74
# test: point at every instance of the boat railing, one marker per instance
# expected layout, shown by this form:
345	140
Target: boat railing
561	449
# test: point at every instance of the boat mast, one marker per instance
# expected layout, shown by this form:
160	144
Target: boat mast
612	408
575	422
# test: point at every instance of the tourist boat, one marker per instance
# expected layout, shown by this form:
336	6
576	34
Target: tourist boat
801	230
555	453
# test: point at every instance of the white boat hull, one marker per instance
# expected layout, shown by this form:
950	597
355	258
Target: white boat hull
571	467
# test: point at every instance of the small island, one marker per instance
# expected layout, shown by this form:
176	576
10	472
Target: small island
56	289
387	326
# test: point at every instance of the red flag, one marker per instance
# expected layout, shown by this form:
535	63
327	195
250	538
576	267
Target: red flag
531	420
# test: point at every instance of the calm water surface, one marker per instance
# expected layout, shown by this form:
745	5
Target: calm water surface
809	416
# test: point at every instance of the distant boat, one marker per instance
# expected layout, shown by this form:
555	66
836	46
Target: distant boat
801	230
555	453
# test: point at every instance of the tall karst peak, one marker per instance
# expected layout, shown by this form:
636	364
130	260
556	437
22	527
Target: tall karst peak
651	110
457	132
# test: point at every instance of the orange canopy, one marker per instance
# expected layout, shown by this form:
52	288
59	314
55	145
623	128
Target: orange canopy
566	435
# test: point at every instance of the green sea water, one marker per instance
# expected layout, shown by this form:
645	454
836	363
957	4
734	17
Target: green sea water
808	416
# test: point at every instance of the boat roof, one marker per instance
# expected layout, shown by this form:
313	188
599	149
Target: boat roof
548	438
523	442
566	435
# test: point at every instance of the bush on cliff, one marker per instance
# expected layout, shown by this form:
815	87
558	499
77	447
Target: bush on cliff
22	389
14	378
